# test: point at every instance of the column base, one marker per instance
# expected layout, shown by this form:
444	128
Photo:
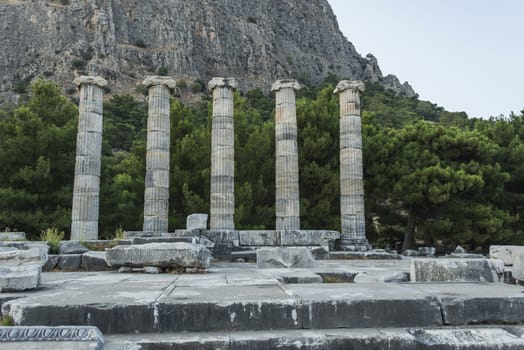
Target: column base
355	245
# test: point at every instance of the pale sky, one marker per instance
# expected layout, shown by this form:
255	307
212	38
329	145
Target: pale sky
464	55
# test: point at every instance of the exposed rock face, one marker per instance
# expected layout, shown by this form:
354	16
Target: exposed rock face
125	40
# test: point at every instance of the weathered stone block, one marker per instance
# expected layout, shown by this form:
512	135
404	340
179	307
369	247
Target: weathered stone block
94	261
517	257
51	263
453	270
196	222
36	255
19	278
223	236
57	338
427	251
71	247
160	255
70	262
503	252
259	238
12	236
133	234
308	237
288	257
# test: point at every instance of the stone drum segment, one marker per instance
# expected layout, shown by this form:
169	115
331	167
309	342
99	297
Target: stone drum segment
222	206
286	168
351	172
84	217
156	197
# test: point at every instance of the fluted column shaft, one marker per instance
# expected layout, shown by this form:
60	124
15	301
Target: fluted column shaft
222	205
84	216
156	196
287	202
353	235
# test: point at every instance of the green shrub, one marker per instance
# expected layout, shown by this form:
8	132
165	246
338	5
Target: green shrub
140	43
52	237
78	63
162	71
119	233
22	85
181	83
7	321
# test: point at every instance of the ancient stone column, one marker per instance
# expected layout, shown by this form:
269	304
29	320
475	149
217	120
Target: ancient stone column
286	167
353	235
156	196
222	206
84	216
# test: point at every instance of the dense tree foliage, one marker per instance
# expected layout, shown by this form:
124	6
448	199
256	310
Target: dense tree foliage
431	176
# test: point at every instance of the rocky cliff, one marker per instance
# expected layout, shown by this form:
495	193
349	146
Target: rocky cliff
125	40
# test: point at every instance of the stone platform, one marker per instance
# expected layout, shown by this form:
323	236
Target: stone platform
236	306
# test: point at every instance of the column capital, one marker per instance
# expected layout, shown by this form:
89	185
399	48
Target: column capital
286	84
349	84
90	80
159	80
223	82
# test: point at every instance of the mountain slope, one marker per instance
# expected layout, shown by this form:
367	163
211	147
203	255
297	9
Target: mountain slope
123	41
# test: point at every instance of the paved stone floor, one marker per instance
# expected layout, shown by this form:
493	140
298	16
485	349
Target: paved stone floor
237	301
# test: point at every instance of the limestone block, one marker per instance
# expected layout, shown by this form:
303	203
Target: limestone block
85	208
87	165
32	256
55	338
51	263
86	184
157	225
85	230
411	252
159	255
288	257
156	193
19	278
259	238
196	222
381	277
427	251
503	252
91	122
308	237
517	257
157	123
70	262
12	236
94	261
89	144
222	236
159	140
71	247
453	270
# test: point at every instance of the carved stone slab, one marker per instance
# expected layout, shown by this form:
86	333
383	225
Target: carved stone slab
71	337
